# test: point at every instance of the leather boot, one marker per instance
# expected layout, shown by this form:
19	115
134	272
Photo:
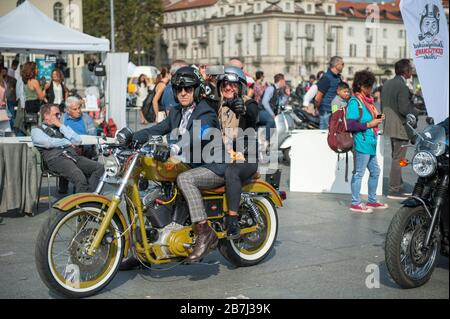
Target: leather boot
233	229
206	239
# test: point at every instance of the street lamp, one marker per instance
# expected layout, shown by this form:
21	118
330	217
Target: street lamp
113	42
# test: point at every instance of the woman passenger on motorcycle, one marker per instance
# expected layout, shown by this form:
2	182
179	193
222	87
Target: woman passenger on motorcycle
236	114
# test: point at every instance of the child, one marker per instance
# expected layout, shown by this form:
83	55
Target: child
341	99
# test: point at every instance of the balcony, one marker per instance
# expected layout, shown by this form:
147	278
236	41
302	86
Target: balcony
183	42
330	36
385	62
255	60
203	41
310	59
257	36
289	60
309	35
288	35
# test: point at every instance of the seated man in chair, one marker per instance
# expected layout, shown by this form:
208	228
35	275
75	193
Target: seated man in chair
82	124
56	143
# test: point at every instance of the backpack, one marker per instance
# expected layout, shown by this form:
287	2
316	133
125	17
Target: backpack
109	128
147	106
273	102
339	139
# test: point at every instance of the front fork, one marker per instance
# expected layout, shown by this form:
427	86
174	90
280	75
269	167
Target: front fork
112	207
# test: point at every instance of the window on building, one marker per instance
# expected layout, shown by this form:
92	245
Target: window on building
330	9
194	15
351	31
352	50
194	32
385	33
309	8
174	53
239	8
351	71
368	51
309	53
329	48
222	12
58	12
385	52
288	6
309	29
401	34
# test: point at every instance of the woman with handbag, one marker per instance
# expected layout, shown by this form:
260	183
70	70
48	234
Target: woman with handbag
363	121
33	94
55	91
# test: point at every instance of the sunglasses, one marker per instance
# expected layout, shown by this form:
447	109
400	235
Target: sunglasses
187	89
232	84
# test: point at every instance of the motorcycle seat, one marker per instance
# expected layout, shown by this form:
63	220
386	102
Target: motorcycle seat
310	117
221	190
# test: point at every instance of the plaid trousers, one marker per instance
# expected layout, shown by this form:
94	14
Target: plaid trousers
191	182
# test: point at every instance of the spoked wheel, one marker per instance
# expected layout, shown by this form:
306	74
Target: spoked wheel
61	252
250	249
408	261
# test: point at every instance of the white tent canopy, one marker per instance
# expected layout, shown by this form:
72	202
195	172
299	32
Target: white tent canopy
27	30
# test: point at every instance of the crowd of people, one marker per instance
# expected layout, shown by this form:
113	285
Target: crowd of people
226	99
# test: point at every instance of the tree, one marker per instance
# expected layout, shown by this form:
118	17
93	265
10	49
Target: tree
136	23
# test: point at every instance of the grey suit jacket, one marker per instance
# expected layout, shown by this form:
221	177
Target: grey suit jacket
396	103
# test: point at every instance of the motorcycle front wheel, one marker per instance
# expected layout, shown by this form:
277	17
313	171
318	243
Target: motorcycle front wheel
250	249
409	264
61	252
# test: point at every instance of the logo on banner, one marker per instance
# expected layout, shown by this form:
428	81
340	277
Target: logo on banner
430	45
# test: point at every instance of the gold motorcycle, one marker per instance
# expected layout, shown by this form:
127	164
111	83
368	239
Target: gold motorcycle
88	236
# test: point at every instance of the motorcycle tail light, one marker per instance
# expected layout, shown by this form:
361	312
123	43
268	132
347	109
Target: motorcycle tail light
282	195
404	162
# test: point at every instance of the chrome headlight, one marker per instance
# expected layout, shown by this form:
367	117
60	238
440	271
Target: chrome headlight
424	164
111	167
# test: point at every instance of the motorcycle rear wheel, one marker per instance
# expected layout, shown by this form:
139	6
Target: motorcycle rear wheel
408	264
250	249
70	271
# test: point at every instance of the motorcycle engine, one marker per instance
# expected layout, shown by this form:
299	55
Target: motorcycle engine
174	240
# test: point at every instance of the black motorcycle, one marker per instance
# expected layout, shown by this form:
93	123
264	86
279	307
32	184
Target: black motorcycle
304	120
419	230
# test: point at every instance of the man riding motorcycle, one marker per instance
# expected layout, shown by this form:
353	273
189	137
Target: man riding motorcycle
186	84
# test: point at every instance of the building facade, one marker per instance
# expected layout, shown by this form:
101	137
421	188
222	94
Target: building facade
67	12
293	37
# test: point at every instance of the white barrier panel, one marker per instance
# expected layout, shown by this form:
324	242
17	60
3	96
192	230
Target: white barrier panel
116	88
315	167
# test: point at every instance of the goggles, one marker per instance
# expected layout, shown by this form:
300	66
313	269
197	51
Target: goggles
230	77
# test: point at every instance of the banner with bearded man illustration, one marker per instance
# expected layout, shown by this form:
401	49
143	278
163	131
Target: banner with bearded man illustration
427	29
